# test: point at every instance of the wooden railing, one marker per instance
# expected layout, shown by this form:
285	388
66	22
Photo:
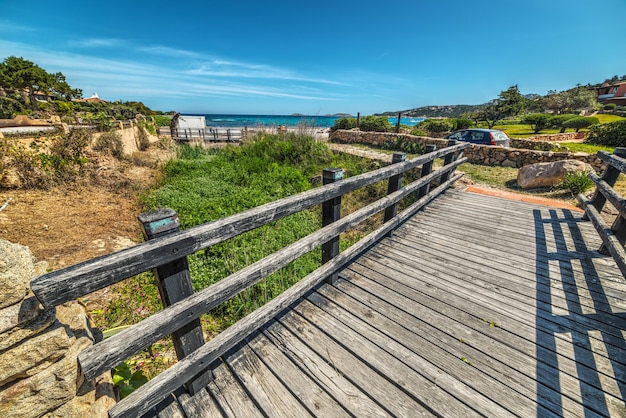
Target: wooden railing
166	249
613	237
208	134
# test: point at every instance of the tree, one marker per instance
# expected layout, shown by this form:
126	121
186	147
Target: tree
510	102
29	78
569	101
537	121
580	122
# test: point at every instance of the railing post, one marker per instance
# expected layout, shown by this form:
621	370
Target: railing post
448	159
395	182
331	212
426	170
610	176
174	284
398	124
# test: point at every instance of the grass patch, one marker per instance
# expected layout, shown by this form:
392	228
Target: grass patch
588	148
605	118
204	185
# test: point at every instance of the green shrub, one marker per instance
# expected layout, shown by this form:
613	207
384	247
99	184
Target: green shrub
161	120
418	132
609	106
436	125
344	123
110	143
576	183
581	122
375	124
9	107
558	121
537	121
611	134
462	123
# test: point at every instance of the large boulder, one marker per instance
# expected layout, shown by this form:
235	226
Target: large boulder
548	174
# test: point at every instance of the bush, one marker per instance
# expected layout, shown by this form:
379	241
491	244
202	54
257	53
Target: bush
558	121
581	122
110	143
344	123
462	123
612	134
576	183
398	144
538	121
375	124
609	106
436	125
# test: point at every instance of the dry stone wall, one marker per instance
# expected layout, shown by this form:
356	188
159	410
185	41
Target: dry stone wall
477	154
39	348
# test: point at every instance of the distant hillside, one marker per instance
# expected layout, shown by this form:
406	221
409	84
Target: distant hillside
448	111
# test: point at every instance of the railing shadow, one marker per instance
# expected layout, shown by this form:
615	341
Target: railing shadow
588	326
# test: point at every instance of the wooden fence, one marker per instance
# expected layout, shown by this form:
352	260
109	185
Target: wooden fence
613	237
166	249
208	134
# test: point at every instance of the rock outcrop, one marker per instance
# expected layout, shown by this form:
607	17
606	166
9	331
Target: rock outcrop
39	348
548	174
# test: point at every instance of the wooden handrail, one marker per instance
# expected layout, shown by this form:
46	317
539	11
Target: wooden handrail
72	282
153	392
614	237
107	354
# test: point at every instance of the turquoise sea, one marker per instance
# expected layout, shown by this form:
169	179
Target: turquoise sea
290	121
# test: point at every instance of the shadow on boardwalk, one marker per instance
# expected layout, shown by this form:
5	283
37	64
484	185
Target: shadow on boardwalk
586	327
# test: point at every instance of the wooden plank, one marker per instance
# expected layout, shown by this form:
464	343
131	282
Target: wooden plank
344	363
230	396
506	349
451	373
508	313
400	365
526	277
520	335
308	392
320	371
516	369
72	282
200	405
97	359
267	391
504	385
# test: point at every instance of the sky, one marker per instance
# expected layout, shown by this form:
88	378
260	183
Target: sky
320	57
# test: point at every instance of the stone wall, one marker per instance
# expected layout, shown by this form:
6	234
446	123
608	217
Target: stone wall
477	154
39	347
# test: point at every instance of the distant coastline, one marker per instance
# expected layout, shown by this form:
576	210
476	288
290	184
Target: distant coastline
289	121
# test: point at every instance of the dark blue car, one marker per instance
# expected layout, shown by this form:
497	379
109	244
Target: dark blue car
481	136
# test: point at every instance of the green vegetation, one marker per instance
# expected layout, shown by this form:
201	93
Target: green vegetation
204	185
575	183
610	134
110	143
436	125
580	122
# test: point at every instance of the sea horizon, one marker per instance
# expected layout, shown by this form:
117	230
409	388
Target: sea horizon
291	121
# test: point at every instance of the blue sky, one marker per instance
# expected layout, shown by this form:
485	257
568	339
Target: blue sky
316	58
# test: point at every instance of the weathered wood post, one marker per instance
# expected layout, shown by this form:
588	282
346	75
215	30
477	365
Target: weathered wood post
610	176
395	182
426	170
174	284
358	119
448	159
398	124
331	212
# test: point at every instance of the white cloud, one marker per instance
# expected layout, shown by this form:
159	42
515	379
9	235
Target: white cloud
98	43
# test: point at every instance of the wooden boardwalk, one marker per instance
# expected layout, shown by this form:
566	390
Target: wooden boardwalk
477	306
